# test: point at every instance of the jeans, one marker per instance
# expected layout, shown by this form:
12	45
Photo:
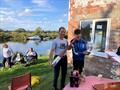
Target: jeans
62	64
7	60
78	65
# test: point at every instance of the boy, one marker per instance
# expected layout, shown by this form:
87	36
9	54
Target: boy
79	50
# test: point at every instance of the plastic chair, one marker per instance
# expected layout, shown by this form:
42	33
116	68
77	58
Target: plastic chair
22	82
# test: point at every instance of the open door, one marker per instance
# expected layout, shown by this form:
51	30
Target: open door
100	36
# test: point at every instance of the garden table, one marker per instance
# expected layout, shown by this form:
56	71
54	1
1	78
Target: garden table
89	82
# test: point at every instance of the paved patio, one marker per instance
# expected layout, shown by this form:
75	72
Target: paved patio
97	65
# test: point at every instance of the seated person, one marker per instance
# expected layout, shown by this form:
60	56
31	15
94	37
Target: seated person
31	54
18	58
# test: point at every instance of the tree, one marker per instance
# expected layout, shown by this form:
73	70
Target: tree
20	30
1	30
37	31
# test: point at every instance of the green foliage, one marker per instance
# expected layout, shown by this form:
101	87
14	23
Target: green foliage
37	31
20	30
21	34
4	36
18	36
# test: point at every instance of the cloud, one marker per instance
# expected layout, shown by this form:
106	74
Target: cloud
7	19
7	15
1	16
44	5
60	20
41	3
26	12
45	9
10	0
6	11
45	18
65	15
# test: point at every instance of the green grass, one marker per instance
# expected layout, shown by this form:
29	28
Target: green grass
41	68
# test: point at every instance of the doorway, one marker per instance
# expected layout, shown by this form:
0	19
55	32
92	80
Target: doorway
100	36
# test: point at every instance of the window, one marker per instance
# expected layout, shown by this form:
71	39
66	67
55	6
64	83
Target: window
97	32
86	27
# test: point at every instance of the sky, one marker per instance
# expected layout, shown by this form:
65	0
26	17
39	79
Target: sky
29	14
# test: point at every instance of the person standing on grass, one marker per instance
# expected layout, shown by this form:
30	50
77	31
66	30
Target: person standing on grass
79	50
59	48
7	54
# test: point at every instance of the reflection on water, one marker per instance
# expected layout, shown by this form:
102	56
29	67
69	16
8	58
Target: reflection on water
42	48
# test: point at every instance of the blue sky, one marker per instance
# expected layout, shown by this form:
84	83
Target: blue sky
29	14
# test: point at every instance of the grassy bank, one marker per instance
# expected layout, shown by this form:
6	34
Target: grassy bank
41	69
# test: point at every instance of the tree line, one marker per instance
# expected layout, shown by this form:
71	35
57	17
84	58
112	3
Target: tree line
20	34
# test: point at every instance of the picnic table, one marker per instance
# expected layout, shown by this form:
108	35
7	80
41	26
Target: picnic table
89	82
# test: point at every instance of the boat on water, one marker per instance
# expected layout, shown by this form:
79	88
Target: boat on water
34	38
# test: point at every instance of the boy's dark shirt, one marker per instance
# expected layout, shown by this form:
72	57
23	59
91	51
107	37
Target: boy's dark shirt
79	46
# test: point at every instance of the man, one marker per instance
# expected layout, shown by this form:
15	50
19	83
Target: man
59	48
79	50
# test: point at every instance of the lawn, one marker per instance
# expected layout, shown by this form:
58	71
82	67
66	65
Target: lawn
40	68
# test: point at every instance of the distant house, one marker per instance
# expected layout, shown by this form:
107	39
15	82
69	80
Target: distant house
99	21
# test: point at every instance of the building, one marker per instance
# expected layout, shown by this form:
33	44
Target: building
99	21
